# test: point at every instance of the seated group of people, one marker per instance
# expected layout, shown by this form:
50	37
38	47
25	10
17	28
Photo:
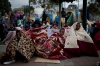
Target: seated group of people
65	43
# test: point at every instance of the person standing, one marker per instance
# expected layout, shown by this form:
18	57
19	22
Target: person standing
44	16
63	13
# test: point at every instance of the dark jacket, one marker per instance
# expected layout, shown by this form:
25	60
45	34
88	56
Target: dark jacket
63	14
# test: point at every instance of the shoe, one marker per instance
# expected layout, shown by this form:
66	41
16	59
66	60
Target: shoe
9	62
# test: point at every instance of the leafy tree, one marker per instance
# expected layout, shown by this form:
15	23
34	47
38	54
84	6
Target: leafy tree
48	6
26	8
94	7
40	1
34	1
43	5
5	6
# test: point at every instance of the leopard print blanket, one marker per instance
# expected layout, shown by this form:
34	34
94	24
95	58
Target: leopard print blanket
25	47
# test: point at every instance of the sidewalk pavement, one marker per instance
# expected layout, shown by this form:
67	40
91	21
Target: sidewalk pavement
78	61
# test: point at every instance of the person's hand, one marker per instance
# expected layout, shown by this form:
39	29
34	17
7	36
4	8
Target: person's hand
61	51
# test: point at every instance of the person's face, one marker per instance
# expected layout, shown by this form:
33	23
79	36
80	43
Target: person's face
77	26
62	32
36	25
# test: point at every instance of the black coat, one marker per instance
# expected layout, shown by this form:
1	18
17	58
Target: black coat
2	34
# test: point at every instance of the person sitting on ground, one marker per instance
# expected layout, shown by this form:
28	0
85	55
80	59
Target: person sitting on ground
54	28
78	42
14	50
52	48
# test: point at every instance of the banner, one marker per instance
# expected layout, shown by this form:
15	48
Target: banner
70	20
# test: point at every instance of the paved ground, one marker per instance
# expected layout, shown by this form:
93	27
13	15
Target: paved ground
79	61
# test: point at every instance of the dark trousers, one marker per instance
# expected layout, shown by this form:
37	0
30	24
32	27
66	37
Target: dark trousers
2	36
19	56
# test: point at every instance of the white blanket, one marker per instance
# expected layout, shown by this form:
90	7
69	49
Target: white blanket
73	36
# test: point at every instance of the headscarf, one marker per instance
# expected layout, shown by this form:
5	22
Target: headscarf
73	36
82	34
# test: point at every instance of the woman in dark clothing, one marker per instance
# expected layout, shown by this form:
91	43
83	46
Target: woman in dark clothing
2	35
19	48
44	16
95	30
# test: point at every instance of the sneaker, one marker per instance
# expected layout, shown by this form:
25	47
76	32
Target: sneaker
9	62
